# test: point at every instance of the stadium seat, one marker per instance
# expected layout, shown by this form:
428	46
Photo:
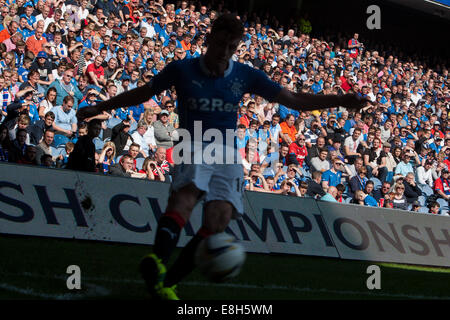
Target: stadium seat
376	183
443	204
268	172
113	122
54	151
61	150
389	176
139	163
423	210
426	189
98	143
133	127
306	173
118	159
59	140
422	200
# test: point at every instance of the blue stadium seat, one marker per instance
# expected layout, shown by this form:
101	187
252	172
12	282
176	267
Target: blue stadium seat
422	200
389	176
54	151
423	210
305	172
118	159
443	203
59	140
133	127
98	143
376	183
113	122
426	189
61	150
268	172
139	163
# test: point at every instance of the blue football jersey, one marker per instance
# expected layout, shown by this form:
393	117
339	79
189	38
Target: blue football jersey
212	100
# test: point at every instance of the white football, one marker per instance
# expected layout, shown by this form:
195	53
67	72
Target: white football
220	257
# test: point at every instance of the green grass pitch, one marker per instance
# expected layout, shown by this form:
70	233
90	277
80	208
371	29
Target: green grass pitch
35	268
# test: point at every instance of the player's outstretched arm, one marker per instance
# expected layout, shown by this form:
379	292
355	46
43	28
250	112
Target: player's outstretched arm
126	99
308	102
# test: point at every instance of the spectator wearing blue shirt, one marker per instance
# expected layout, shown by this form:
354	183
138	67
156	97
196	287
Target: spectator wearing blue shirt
192	52
275	128
331	195
23	30
123	114
332	177
24	70
65	87
292	174
252	131
285	111
84	38
351	123
276	159
27	100
134	77
160	27
137	111
404	167
65	123
33	113
317	85
31	20
170	38
365	199
89	101
264	136
358	182
241	137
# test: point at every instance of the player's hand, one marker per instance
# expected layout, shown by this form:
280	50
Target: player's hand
353	101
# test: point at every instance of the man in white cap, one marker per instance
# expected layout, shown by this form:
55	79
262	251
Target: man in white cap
163	131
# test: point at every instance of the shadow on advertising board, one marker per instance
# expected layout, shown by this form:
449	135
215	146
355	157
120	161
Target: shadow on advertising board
67	204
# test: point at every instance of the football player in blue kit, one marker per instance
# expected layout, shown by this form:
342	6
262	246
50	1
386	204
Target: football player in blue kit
209	89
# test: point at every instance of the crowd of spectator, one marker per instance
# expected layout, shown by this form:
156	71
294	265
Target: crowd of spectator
59	56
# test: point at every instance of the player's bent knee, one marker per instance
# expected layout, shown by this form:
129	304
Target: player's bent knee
184	200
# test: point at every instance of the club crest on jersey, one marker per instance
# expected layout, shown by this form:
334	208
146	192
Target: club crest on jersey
237	87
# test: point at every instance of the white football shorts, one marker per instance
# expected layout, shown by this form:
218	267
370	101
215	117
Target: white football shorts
218	181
